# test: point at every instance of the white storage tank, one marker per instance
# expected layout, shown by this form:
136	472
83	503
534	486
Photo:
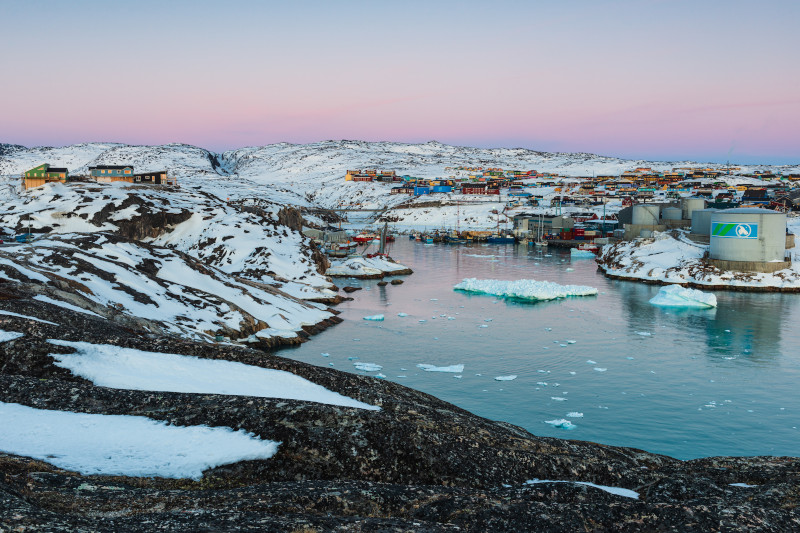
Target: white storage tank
690	205
748	234
701	221
646	215
671	213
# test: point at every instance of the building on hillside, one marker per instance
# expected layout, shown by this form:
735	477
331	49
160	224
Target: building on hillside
111	173
38	176
159	177
479	188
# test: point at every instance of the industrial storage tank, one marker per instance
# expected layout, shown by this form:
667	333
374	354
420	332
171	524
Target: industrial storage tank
747	234
646	215
690	205
701	221
671	213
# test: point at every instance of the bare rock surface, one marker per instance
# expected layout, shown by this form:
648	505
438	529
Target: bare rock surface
418	464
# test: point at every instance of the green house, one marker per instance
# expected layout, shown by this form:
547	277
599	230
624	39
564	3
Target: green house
42	174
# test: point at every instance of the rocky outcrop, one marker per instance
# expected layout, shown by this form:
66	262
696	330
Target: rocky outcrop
418	464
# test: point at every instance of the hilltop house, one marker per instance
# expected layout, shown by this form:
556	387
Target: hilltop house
111	173
38	176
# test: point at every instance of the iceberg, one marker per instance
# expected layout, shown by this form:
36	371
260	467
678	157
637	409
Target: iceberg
524	289
455	369
506	378
677	296
367	367
581	254
562	423
376	318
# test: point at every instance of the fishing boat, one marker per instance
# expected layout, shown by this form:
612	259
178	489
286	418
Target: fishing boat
364	238
501	239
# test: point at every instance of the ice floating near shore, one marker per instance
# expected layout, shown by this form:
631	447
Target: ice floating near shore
581	254
401	315
524	289
575	414
506	378
376	318
367	367
677	296
455	369
562	423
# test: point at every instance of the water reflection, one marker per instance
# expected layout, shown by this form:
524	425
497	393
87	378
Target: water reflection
743	326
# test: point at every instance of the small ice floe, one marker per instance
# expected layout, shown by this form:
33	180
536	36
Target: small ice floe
743	485
9	335
590	362
543	371
352	358
563	345
643	333
558	398
571	342
677	296
524	289
483	326
548	329
458	376
455	369
581	254
562	423
727	331
380	376
598	369
506	378
434	299
629	358
487	319
325	354
423	320
627	493
376	318
568	269
575	414
572	373
402	376
367	367
451	318
542	383
401	315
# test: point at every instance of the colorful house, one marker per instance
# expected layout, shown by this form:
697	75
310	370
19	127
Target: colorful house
154	178
38	176
111	173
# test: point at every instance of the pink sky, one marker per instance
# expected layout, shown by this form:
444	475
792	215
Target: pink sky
651	79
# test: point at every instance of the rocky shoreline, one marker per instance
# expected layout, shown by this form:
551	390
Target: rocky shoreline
418	464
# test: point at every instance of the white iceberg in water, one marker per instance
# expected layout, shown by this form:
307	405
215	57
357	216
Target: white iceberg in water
376	318
506	378
455	369
562	423
524	289
367	367
575	254
677	296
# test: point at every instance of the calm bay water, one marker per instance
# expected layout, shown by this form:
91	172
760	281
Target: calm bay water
688	383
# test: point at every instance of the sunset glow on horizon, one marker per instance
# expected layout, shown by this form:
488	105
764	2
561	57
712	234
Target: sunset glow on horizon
660	79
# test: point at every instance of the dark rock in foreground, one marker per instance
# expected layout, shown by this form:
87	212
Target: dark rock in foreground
419	464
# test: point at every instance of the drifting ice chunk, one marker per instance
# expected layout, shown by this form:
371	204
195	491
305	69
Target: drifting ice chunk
505	378
644	333
455	369
574	253
376	318
558	398
600	369
562	423
367	367
575	414
677	296
524	289
402	314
